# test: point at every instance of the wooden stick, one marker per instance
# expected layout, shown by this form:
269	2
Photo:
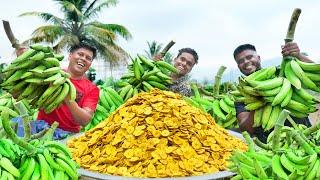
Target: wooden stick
292	25
14	41
166	48
290	35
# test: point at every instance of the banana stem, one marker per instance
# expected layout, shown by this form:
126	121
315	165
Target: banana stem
294	124
166	48
290	35
277	129
3	133
195	89
282	67
292	25
297	137
288	139
249	141
217	80
311	129
25	119
261	144
39	134
12	135
205	92
49	134
306	139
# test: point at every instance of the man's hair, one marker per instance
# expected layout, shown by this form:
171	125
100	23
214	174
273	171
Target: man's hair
85	46
190	51
243	47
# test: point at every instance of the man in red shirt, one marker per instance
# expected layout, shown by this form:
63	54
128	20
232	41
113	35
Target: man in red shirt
71	115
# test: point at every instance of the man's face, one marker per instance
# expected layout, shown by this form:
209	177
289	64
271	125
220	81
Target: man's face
80	61
248	61
184	63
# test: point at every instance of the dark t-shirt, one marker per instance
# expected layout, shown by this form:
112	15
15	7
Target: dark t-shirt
259	132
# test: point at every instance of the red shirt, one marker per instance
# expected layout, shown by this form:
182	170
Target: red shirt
87	96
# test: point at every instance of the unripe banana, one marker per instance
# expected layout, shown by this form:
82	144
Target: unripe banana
282	93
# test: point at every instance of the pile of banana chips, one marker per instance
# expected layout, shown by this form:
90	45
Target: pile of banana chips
155	134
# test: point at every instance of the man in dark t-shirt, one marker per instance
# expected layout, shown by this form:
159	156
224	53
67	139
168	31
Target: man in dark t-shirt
248	61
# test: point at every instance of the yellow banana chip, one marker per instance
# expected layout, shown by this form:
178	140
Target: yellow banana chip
155	134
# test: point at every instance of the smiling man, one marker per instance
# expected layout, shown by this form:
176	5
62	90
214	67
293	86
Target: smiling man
247	59
248	62
184	62
71	115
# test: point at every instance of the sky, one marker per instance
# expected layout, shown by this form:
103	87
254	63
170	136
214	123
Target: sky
213	28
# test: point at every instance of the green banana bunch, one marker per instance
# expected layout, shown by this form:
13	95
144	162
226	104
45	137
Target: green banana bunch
7	169
145	74
10	150
36	76
34	157
290	153
109	101
221	108
7	102
312	133
252	164
301	74
224	88
52	158
52	161
266	93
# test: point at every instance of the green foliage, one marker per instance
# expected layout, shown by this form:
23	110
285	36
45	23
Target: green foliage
78	25
155	48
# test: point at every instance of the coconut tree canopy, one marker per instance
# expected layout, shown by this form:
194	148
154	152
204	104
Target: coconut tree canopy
78	24
155	48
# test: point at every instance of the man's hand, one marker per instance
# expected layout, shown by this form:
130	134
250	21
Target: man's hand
67	99
21	50
292	49
245	120
158	57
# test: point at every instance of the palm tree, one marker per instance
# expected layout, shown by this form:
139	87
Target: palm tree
77	25
155	48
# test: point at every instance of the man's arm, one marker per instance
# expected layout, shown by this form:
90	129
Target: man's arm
158	57
292	49
82	116
245	118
